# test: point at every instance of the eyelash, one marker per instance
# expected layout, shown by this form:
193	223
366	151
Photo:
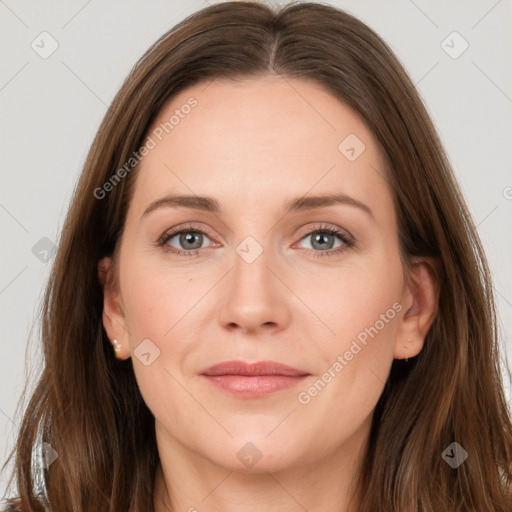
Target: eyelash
346	238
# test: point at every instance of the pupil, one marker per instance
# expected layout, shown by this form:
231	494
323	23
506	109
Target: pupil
188	238
321	238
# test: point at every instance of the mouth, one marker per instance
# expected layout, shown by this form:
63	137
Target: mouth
253	380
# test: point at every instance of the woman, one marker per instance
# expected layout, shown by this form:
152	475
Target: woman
249	371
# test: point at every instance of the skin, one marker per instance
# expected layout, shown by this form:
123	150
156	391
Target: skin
253	145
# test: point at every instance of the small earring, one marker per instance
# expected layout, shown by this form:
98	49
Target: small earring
407	359
117	347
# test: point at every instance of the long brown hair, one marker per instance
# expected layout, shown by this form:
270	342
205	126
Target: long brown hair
87	405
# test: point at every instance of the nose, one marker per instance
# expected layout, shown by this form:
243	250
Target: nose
255	297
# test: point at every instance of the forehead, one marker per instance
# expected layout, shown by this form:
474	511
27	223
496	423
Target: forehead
268	137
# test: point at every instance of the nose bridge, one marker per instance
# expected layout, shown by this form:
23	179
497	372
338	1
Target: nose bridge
251	261
254	296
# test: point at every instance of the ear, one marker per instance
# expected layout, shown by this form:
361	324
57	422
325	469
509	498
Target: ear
113	317
420	299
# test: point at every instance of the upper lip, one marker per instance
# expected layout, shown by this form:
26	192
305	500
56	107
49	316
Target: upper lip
252	369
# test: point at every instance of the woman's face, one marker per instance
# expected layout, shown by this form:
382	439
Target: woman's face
288	253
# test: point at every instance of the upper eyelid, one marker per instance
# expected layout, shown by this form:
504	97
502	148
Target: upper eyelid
172	232
313	229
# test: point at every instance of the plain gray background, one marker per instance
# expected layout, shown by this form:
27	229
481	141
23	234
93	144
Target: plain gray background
52	107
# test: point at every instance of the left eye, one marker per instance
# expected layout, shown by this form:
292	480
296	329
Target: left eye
189	240
323	240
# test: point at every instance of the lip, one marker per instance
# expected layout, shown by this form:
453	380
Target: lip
253	380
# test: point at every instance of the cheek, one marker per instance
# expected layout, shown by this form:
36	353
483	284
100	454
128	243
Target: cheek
157	308
157	299
362	308
370	312
360	299
163	305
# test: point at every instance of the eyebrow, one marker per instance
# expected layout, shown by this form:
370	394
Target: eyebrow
297	204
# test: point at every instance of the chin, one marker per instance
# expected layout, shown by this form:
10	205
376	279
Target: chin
254	454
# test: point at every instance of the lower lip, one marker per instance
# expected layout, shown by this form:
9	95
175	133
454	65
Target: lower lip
256	386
